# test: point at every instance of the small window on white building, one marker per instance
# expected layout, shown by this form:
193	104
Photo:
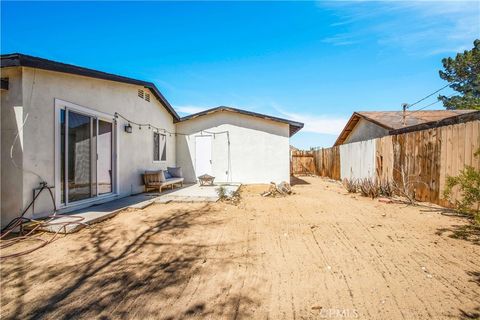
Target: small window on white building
159	147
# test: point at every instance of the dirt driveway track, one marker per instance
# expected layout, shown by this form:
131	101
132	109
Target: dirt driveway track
318	254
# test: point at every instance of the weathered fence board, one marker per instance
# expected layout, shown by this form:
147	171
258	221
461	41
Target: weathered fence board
415	162
459	143
384	158
327	162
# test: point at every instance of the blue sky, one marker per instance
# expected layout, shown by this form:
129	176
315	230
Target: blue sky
314	62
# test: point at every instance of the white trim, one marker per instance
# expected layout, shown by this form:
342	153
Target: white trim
58	106
160	161
85	110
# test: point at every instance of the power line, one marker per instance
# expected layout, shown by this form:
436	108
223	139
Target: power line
431	94
431	104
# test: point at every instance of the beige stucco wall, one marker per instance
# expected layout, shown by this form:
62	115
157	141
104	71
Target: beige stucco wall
366	130
135	151
259	149
11	177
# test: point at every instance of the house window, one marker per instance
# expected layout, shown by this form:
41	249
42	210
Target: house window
159	147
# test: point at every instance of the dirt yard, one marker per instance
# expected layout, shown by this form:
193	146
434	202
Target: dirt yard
320	253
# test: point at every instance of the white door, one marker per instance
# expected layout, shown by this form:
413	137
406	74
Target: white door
203	155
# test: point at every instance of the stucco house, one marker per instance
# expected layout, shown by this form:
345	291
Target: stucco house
90	135
376	124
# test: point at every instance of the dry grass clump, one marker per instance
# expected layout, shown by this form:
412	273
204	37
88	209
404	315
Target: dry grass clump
369	188
387	189
351	185
232	197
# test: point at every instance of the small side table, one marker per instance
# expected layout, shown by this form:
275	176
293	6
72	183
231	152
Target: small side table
206	180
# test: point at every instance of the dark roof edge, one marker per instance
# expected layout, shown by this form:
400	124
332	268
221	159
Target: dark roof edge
294	125
461	118
23	60
356	115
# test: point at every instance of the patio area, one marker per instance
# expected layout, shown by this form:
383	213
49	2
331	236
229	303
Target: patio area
195	193
97	213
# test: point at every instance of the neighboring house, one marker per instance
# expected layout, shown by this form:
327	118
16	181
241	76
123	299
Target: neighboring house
59	123
376	124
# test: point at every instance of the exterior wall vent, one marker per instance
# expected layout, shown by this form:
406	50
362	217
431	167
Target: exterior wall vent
144	95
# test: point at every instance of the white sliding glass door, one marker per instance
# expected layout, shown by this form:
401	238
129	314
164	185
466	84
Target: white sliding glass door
86	149
104	161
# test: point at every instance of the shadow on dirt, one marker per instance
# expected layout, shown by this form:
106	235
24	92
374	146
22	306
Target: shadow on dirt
294	181
120	277
467	232
475	313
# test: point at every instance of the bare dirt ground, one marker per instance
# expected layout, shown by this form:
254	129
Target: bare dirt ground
320	253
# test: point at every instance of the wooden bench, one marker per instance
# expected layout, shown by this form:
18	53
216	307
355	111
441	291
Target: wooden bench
157	180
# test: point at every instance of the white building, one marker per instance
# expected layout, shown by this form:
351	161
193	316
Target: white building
77	130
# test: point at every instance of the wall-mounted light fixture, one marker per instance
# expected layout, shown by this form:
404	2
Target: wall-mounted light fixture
128	128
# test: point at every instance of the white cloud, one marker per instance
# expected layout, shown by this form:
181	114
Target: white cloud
418	27
322	124
341	40
189	109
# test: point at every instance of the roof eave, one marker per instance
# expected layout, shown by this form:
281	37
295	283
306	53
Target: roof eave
22	60
353	121
294	126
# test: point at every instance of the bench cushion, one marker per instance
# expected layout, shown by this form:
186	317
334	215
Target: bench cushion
172	181
175	172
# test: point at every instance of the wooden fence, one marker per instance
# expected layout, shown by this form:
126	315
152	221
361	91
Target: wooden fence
302	163
324	162
424	158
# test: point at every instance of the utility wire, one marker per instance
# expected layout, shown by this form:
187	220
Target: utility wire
431	94
431	104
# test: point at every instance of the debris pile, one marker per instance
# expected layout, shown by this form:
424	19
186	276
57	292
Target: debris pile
281	189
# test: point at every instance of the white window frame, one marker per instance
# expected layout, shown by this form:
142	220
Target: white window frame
63	105
159	147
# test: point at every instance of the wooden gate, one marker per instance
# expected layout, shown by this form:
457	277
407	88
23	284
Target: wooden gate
302	163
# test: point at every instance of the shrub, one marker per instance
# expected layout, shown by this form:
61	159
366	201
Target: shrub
468	182
222	193
230	196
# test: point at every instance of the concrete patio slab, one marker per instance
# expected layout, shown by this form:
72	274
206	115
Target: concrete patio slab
100	212
195	193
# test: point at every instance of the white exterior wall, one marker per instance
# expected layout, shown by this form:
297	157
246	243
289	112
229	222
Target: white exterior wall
365	130
134	151
357	160
259	148
11	120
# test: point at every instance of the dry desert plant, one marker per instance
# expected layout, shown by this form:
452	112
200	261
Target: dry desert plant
369	188
351	185
386	188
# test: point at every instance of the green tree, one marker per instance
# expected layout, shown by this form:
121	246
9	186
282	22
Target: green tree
463	73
